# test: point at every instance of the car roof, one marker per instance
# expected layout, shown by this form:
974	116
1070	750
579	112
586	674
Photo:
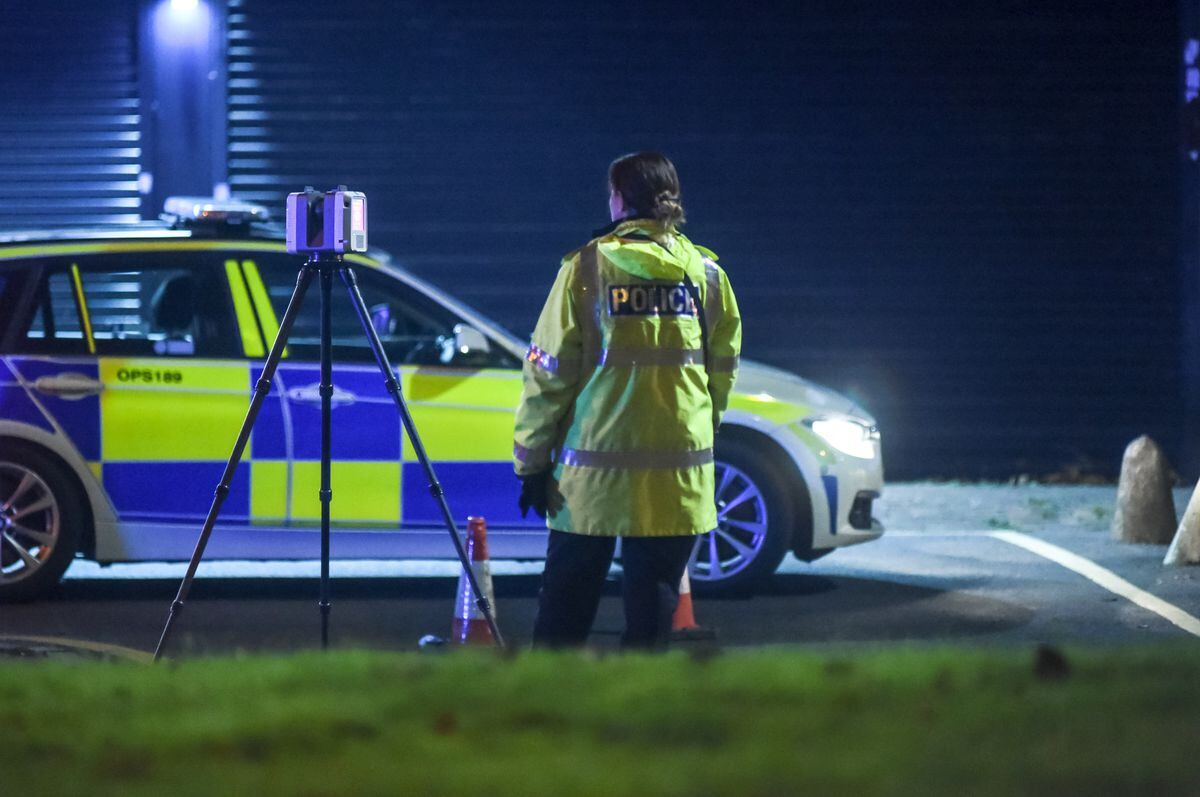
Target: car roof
153	230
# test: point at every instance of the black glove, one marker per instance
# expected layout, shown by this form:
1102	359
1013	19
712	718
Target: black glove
535	493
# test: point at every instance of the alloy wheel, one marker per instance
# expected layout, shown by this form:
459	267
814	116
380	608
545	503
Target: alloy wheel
29	522
741	527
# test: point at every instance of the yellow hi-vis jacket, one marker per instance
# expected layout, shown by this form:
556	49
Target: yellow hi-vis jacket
617	396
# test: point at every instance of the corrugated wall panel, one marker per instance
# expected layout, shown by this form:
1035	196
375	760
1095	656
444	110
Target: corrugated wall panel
963	214
69	114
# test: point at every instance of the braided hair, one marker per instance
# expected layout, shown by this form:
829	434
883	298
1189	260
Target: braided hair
649	186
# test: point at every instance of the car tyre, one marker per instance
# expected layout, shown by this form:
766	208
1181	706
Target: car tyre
755	517
41	521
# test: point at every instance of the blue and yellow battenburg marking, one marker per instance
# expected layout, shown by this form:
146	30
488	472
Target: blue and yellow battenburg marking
653	298
465	419
160	433
166	427
78	417
15	403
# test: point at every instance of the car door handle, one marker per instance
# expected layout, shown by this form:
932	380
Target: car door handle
68	385
311	394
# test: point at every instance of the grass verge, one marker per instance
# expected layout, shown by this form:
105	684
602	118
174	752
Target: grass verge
947	721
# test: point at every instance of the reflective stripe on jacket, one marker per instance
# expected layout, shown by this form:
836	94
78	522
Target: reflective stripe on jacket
617	394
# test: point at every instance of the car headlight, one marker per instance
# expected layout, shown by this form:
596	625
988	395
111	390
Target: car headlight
849	437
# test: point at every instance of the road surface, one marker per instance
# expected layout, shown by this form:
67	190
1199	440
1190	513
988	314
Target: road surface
968	587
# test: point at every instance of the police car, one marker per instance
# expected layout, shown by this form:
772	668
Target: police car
127	357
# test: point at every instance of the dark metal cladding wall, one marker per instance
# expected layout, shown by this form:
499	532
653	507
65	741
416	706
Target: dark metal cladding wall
69	116
962	214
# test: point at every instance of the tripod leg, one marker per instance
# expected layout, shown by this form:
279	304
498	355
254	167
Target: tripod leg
261	388
435	487
326	494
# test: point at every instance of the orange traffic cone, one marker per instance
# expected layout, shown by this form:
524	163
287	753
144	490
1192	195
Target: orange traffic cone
683	623
470	626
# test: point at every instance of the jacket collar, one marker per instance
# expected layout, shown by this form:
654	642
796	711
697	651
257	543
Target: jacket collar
639	223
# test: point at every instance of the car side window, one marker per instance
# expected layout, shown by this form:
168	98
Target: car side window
414	329
136	305
172	305
55	326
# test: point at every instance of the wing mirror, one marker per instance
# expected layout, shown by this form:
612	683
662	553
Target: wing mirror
463	345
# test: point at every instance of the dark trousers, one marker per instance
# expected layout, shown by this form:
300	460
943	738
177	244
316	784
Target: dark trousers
576	566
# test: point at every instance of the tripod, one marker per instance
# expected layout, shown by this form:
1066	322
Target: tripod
323	265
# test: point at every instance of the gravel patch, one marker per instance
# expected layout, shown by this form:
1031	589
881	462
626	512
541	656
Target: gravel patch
957	506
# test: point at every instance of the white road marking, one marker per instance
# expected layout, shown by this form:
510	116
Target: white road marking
1103	577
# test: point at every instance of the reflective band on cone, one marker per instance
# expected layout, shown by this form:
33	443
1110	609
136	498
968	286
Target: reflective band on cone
470	626
683	624
685	618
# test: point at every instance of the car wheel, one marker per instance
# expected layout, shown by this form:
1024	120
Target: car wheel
755	520
41	517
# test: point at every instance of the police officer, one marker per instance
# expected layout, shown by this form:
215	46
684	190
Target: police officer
628	374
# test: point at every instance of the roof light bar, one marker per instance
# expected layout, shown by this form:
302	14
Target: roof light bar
191	210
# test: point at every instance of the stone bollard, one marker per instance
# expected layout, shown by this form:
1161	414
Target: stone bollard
1145	509
1185	548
